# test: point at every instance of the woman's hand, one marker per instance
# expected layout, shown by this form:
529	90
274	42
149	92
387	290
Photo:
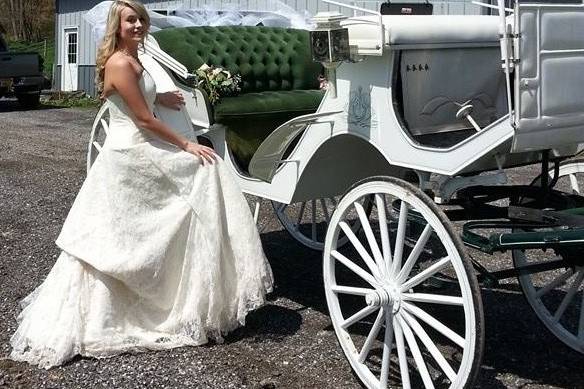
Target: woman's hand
206	153
173	100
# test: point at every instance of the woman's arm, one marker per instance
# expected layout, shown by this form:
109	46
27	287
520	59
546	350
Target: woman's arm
123	77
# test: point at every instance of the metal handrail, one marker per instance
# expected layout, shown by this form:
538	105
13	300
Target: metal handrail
365	10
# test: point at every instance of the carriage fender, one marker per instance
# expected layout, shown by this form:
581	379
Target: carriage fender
338	163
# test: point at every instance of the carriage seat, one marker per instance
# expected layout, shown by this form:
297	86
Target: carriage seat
279	80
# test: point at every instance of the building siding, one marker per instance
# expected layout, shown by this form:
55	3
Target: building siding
69	13
86	77
57	78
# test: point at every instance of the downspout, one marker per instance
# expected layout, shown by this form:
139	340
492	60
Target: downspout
57	51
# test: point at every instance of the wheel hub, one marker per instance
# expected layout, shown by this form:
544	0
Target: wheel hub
386	296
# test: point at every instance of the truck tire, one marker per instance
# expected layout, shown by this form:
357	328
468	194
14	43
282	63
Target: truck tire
29	100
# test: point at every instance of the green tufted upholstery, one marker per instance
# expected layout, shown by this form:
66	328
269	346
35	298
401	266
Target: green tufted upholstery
279	78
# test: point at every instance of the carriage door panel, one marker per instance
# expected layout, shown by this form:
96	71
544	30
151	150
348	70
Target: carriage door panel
70	59
549	84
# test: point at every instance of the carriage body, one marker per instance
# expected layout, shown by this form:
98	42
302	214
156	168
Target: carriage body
397	107
420	94
395	112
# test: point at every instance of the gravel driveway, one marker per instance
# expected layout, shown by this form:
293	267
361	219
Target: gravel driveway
289	343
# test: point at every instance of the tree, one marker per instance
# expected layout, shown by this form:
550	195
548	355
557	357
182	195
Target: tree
28	20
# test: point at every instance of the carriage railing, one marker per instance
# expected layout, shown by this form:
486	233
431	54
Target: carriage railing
165	59
378	50
440	7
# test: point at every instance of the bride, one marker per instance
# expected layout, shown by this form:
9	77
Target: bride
159	249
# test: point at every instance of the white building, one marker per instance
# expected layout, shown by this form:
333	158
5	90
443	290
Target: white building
75	47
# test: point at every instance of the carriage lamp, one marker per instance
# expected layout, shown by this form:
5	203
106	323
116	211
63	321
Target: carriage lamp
329	44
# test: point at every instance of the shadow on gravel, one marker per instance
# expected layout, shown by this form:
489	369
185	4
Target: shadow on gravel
269	322
297	270
516	343
12	105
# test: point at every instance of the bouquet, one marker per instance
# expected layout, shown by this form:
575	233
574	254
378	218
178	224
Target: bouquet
217	82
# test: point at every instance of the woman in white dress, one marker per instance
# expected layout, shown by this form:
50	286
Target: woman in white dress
159	249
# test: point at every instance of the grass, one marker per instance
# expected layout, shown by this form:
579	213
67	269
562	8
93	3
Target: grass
45	48
71	99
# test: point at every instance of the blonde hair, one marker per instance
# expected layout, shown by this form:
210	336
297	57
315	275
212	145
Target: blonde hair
111	38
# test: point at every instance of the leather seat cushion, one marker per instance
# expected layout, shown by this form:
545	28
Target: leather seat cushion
270	103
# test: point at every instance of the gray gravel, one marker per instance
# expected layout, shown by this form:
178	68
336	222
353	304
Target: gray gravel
287	344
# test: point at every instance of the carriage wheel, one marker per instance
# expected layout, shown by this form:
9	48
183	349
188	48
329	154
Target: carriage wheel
99	131
404	315
569	176
307	221
557	296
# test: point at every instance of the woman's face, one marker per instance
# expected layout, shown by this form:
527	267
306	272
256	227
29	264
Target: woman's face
132	27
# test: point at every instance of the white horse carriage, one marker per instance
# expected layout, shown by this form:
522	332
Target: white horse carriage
421	111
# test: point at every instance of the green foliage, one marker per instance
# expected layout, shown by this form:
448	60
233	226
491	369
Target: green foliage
45	48
75	99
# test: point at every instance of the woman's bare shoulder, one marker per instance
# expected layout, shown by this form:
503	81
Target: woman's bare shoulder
119	62
118	70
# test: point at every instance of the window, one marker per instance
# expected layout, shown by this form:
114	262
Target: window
72	47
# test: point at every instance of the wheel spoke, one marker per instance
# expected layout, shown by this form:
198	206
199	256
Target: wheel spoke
574	184
355	268
333	202
432	322
430	346
385	244
368	310
256	211
555	283
372	336
387	342
97	146
415	254
425	274
416	353
401	353
581	322
351	290
105	126
400	237
370	237
282	207
433	298
313	220
325	210
569	296
300	215
360	249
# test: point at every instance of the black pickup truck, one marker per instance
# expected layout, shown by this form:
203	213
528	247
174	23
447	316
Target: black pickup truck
21	75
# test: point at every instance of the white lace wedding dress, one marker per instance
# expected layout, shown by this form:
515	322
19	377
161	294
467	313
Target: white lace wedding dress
158	252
